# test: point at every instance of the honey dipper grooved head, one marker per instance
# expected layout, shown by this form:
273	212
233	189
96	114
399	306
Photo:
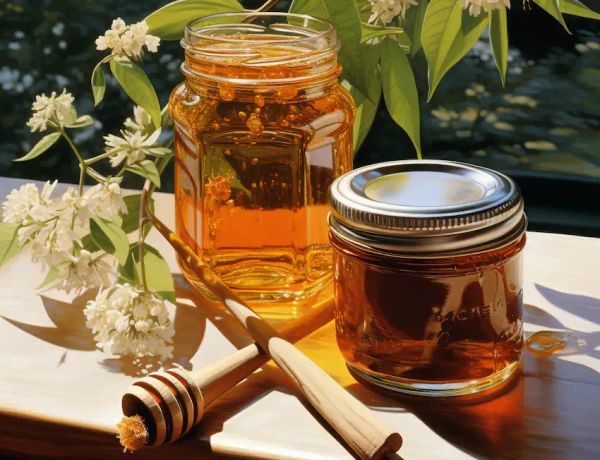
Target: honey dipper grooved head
170	404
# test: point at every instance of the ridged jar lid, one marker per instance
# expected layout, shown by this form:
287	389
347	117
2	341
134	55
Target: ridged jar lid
426	206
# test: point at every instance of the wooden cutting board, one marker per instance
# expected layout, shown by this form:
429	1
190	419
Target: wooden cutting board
60	397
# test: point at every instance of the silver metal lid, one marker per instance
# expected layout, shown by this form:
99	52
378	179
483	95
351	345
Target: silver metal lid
426	206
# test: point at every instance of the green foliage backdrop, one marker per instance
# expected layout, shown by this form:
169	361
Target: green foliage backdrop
547	118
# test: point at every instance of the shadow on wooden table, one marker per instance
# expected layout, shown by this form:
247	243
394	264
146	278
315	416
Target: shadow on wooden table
69	331
549	411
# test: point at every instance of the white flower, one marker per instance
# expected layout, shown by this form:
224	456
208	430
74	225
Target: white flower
129	321
23	204
132	147
385	11
476	6
118	26
127	40
141	121
85	271
54	229
103	200
54	110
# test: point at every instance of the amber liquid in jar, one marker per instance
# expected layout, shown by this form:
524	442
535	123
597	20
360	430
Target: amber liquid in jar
411	324
262	128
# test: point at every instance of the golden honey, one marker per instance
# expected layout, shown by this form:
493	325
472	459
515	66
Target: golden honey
262	128
428	276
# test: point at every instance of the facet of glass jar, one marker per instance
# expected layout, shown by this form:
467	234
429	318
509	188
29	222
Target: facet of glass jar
428	276
262	128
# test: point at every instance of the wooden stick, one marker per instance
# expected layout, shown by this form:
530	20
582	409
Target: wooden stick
354	422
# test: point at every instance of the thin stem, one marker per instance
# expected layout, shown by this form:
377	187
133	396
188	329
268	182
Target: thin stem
82	165
141	233
72	145
91	161
267	5
41	222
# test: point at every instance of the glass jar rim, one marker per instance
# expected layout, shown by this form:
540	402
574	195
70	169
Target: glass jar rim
199	28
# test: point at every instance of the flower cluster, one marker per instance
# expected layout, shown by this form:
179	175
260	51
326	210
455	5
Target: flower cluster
141	121
78	235
138	139
129	321
127	40
475	7
54	110
131	147
385	11
54	229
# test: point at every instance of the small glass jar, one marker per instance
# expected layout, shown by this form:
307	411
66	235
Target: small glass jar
262	128
428	275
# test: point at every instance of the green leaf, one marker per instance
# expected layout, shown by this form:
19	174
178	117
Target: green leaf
359	61
576	8
218	166
315	8
158	274
98	84
146	169
499	40
371	31
131	220
169	22
88	243
43	144
162	152
128	271
400	91
366	110
353	55
552	7
448	34
110	237
9	243
81	122
138	87
413	24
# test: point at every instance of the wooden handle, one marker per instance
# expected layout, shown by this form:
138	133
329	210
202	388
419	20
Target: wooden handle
355	423
216	379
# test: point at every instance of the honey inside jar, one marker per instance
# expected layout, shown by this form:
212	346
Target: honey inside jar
262	128
429	320
428	276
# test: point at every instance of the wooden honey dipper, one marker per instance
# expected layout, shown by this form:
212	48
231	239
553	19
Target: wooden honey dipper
175	399
200	388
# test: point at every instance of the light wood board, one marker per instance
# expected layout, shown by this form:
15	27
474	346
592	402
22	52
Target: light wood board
60	397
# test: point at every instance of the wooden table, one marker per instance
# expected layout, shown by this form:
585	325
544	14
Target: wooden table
60	397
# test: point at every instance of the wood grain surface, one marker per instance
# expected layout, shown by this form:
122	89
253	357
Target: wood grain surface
60	397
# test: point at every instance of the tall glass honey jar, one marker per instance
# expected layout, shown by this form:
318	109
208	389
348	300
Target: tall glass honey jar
428	276
262	127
